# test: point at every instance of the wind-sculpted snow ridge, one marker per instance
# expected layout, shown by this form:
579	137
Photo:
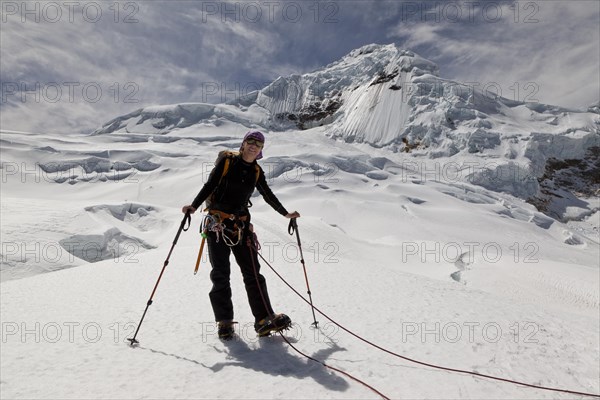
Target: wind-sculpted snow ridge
112	244
142	217
163	119
472	194
96	168
74	163
129	225
41	234
324	168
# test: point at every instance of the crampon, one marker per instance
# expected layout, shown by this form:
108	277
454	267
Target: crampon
272	324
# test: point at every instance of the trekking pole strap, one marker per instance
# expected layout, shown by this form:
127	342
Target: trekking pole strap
187	219
293	226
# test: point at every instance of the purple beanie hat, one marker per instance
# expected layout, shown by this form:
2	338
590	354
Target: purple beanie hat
255	135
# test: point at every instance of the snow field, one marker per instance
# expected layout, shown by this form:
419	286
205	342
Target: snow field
180	355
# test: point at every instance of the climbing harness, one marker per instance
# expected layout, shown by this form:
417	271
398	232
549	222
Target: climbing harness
215	222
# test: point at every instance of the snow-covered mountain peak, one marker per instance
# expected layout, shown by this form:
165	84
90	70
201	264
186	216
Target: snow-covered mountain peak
296	101
392	98
389	56
328	94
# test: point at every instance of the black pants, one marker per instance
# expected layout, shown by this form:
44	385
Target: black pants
256	287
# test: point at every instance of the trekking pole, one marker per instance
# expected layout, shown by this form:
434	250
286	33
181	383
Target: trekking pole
293	227
186	219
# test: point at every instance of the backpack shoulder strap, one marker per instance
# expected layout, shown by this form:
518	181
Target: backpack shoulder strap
258	169
228	155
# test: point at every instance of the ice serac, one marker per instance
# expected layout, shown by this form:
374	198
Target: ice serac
390	97
364	96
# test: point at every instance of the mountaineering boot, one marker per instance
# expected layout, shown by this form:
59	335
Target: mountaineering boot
225	330
273	323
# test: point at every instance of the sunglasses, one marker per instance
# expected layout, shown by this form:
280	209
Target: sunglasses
255	142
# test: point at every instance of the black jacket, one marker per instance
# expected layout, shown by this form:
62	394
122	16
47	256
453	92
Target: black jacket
233	192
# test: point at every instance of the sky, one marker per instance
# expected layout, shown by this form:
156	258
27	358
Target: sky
71	66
